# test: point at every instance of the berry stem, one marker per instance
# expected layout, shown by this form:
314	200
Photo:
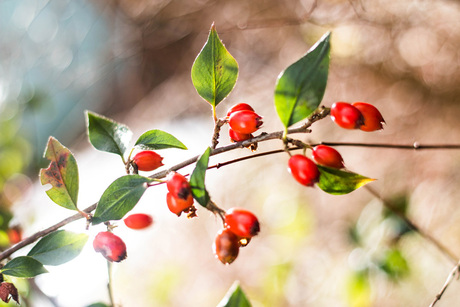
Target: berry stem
110	283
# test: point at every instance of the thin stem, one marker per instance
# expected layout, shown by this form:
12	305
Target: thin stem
447	252
110	283
415	146
453	274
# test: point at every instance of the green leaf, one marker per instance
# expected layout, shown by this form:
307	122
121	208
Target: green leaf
235	297
394	264
197	179
58	247
24	267
157	139
300	88
358	289
62	174
119	198
338	182
108	135
214	71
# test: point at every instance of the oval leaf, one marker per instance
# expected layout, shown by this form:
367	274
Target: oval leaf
197	179
58	247
62	174
157	139
300	88
338	182
235	297
108	135
214	71
119	198
24	267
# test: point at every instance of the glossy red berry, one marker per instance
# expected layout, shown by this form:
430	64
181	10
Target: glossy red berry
178	186
178	205
14	234
245	121
303	170
242	222
226	246
147	160
327	156
110	246
138	221
239	107
238	137
373	119
346	116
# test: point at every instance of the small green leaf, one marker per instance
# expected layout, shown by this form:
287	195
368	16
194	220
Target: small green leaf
338	182
108	135
197	179
157	139
394	264
24	267
214	71
300	88
235	297
62	174
119	198
58	247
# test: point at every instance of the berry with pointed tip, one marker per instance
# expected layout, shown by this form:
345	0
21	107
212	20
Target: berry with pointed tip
178	205
373	119
238	137
148	160
242	222
303	170
245	121
346	115
226	246
178	186
327	156
138	221
110	246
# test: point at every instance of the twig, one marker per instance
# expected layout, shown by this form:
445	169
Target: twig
455	271
451	256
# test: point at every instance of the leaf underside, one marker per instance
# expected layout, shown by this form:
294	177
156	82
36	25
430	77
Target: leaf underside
23	267
197	179
157	139
339	182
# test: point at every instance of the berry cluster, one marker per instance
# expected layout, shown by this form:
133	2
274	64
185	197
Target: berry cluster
240	226
359	115
243	121
179	197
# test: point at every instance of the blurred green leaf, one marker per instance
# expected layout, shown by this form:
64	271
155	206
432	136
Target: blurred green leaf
62	174
214	71
23	267
157	139
235	297
98	305
358	290
197	179
300	88
108	135
338	182
120	198
58	247
394	264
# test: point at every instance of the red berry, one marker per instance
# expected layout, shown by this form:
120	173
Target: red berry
226	246
239	107
178	186
346	116
147	160
327	156
138	221
242	222
245	121
178	205
110	246
238	137
373	120
14	234
303	170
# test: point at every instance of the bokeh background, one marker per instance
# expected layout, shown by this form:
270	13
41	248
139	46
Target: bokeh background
131	61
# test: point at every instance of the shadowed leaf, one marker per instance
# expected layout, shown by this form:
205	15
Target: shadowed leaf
338	182
24	267
157	139
197	179
300	88
235	297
